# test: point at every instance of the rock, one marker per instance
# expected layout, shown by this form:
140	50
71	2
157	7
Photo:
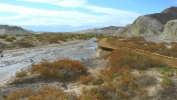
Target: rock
64	86
144	26
31	60
121	30
170	31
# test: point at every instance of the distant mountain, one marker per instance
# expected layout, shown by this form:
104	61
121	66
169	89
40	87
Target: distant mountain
6	29
58	28
151	24
104	30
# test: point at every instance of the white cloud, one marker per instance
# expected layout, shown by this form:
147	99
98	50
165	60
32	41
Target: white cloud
82	3
34	16
63	3
40	12
12	18
111	11
29	20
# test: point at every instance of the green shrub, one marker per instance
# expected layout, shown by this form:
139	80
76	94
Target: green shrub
8	39
3	36
13	37
23	44
169	71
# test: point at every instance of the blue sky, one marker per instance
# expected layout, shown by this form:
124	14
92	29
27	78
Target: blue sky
72	15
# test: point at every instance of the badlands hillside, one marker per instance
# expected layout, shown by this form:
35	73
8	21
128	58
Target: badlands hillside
151	25
170	31
6	29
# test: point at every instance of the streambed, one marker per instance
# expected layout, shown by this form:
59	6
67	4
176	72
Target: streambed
17	59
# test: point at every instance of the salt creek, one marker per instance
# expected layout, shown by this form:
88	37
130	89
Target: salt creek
17	59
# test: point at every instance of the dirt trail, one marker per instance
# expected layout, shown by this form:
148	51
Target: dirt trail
169	60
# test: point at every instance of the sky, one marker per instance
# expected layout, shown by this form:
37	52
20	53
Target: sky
73	15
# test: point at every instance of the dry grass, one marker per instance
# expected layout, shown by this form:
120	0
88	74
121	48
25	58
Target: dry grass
168	91
118	83
63	69
46	93
4	46
21	73
53	40
22	44
142	44
130	59
86	80
122	87
146	80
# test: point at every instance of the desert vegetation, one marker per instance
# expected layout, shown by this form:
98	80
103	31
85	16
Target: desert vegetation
119	82
21	73
3	46
8	39
127	75
22	44
133	60
46	93
26	41
163	48
3	36
62	70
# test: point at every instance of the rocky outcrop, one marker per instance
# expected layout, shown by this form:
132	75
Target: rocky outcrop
152	24
6	29
121	30
104	30
170	31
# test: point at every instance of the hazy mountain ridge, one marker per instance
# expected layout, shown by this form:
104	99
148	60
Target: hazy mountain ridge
6	29
104	30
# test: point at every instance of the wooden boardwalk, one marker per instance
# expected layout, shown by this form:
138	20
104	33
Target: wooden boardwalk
169	60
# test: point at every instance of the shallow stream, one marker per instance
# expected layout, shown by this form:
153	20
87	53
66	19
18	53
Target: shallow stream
15	60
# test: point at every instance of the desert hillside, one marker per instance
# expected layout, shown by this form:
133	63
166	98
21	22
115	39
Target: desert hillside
149	25
6	29
170	31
